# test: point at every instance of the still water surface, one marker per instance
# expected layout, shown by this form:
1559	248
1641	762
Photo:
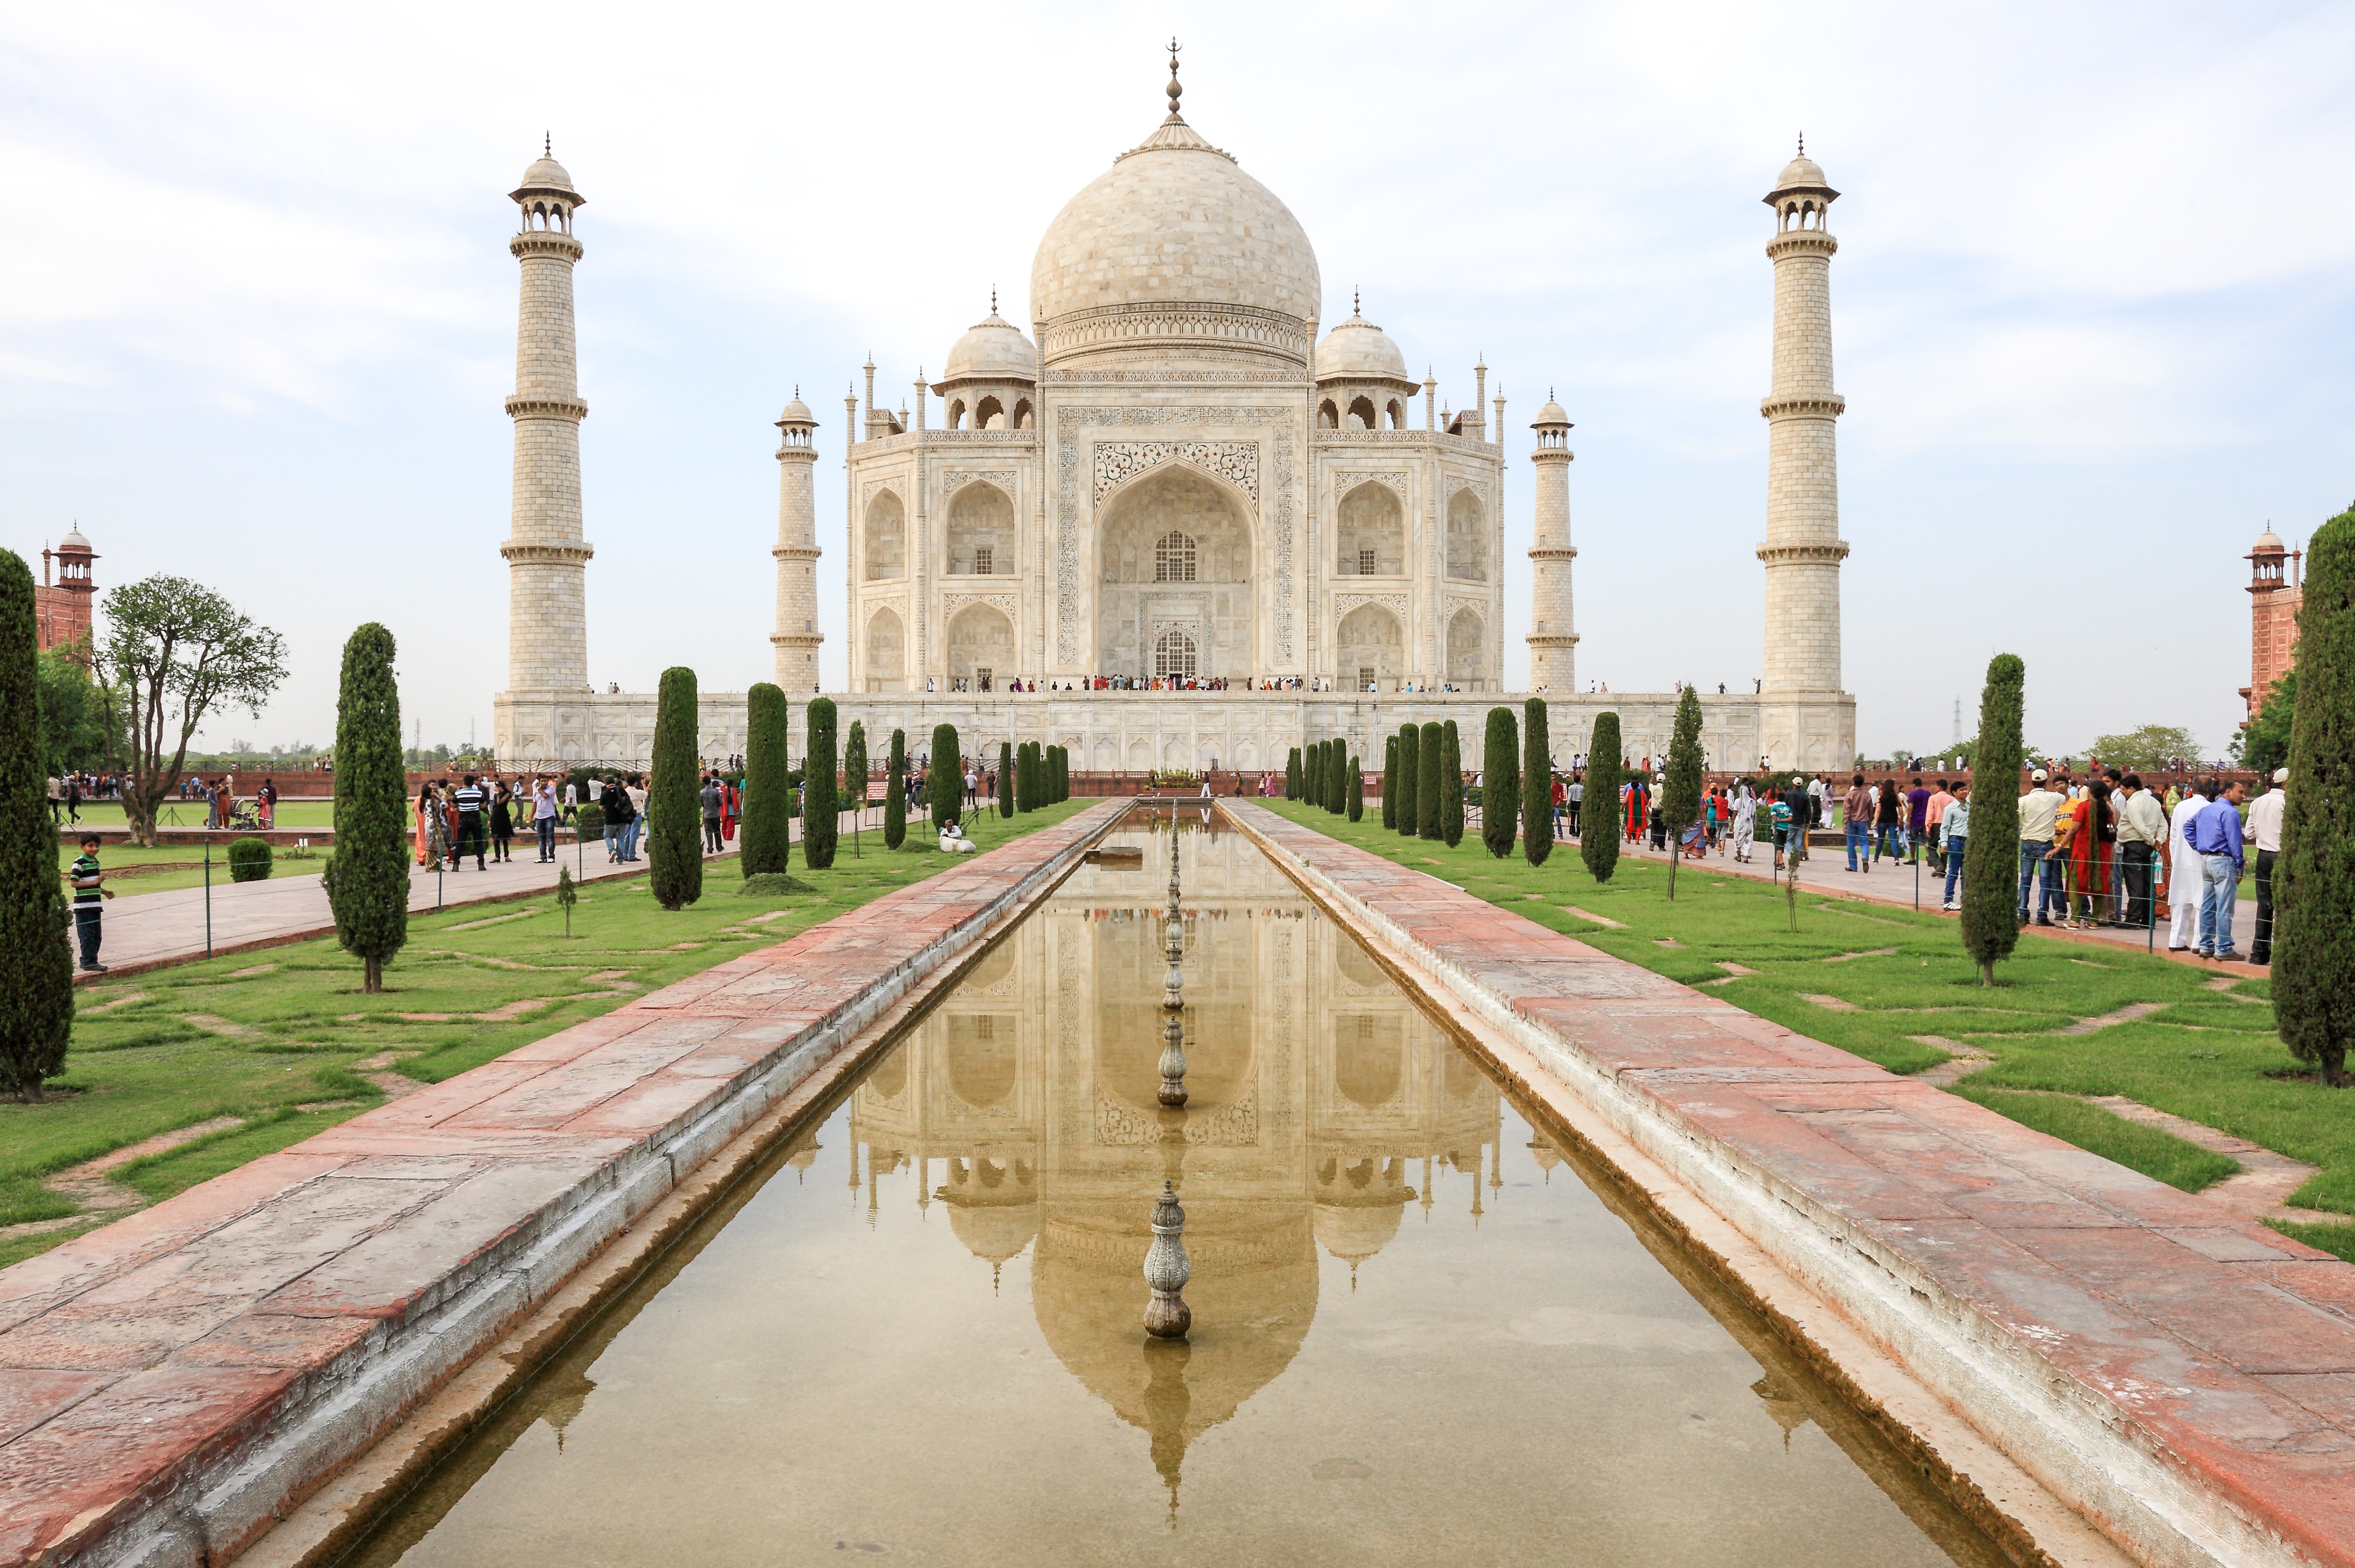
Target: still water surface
1420	1333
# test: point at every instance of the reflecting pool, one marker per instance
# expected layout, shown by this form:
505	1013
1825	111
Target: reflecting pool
1424	1328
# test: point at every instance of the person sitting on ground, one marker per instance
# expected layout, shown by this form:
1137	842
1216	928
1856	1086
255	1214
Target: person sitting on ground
953	842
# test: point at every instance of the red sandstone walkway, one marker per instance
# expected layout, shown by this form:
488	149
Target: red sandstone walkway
170	1379
2223	1349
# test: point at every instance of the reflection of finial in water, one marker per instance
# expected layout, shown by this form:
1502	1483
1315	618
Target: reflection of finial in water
1782	1402
566	1395
1167	1403
1173	1056
1166	1269
1427	1199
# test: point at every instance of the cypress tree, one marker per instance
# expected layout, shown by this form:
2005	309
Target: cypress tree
1032	777
35	965
1062	774
1500	783
674	796
1312	767
1389	782
821	805
1991	848
1052	758
767	797
1429	765
1021	781
1292	775
1341	761
854	777
1450	785
895	797
2313	874
368	879
1680	794
1537	783
1410	778
1598	837
947	795
1320	789
1357	792
1004	777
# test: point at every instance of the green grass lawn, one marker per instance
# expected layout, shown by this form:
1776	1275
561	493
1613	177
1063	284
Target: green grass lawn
1893	982
166	866
178	813
282	1040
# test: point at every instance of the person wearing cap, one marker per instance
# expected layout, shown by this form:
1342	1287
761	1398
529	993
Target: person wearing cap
2266	828
2040	811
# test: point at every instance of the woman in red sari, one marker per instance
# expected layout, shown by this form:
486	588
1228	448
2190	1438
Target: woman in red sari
423	820
732	802
2089	856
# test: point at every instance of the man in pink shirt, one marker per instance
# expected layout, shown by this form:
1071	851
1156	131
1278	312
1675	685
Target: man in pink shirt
1939	801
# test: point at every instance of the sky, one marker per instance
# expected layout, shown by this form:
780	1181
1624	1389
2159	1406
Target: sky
2093	304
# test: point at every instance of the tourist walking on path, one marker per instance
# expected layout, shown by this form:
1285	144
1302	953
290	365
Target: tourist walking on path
1745	821
2183	874
1917	818
468	799
503	824
1956	823
635	788
1889	824
2142	837
731	807
2266	828
2040	813
543	819
1572	796
424	818
1856	823
89	884
1935	823
713	799
2216	839
2087	833
57	799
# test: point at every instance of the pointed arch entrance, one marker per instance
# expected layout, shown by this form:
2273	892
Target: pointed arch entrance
1174	561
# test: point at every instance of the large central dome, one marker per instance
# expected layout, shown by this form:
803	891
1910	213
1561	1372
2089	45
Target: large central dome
1175	248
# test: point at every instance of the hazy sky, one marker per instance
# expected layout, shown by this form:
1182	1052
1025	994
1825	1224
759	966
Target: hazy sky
2091	304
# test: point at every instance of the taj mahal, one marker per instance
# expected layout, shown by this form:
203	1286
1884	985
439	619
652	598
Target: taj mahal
1180	522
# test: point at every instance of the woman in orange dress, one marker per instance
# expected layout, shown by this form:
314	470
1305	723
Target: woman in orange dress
2089	856
421	823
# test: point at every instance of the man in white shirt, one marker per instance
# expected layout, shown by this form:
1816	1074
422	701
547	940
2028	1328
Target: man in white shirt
2039	811
2265	829
2142	837
2184	874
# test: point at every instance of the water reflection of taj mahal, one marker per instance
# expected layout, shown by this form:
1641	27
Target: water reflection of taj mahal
1323	1106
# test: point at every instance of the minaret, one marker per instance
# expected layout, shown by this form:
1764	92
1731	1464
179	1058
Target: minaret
1554	637
1803	548
797	636
548	616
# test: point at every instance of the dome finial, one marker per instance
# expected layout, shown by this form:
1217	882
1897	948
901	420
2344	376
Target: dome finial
548	143
1803	144
1172	89
992	301
1357	301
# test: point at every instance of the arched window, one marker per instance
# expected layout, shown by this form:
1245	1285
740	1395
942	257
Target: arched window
1174	654
990	414
1022	415
1173	559
1362	410
1328	416
956	414
1398	415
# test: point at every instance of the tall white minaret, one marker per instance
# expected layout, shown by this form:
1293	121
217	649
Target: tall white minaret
548	616
1803	549
797	636
1553	634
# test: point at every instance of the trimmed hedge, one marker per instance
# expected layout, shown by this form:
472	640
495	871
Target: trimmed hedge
249	860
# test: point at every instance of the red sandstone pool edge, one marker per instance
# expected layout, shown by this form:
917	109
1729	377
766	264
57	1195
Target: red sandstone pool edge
2063	1438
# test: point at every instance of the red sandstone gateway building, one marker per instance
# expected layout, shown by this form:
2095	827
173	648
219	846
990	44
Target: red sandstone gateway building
2275	592
61	608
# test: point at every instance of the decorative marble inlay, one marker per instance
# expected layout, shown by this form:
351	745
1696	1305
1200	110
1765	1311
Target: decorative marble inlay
1346	481
1343	603
1234	461
952	482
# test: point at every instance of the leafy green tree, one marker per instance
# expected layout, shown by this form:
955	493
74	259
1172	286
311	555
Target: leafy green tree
2147	749
1430	763
1991	849
1450	785
178	651
1004	777
947	795
36	967
2314	875
567	893
673	797
1389	782
1536	783
78	713
1500	783
368	878
1680	794
2262	742
767	828
1292	775
895	797
1357	792
1410	779
854	779
1598	834
821	801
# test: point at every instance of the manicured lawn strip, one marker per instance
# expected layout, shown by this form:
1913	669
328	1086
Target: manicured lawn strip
16	1249
283	1040
2337	1240
2211	1057
2159	1155
185	865
179	813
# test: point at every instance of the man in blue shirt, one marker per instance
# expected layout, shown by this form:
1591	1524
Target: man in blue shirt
2215	835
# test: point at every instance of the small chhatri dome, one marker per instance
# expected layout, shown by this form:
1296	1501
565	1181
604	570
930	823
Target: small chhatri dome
993	349
1358	350
2268	543
797	412
1551	417
547	178
74	540
1802	176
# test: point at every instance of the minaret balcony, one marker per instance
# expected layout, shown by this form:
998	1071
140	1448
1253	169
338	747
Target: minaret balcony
547	409
1816	405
